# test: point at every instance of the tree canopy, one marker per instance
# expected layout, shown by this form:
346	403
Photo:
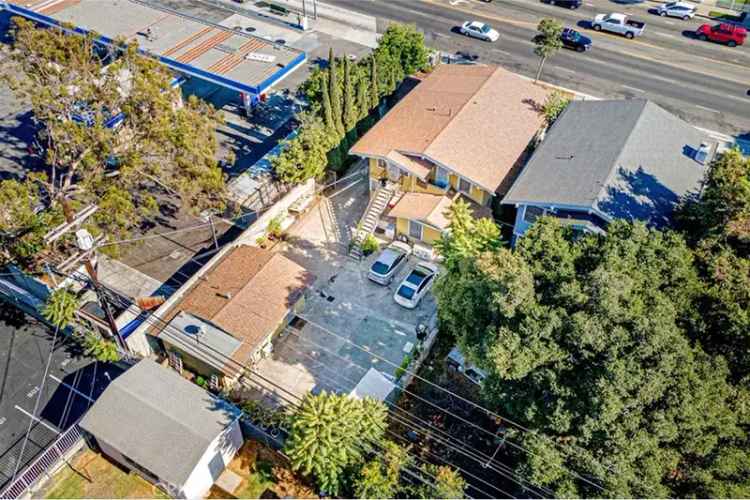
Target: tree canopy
331	433
587	341
344	95
78	91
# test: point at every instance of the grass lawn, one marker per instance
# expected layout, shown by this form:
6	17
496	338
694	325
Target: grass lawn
90	475
257	481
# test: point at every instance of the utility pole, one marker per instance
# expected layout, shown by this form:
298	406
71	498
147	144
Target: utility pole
86	244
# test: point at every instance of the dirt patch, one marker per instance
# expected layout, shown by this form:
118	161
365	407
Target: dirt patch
265	474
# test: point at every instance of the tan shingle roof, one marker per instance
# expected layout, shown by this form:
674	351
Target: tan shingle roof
477	120
423	207
433	209
248	294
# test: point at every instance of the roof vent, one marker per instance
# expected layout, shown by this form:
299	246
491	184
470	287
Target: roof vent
702	154
226	295
432	108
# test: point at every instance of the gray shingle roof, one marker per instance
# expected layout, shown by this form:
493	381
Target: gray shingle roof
629	159
158	419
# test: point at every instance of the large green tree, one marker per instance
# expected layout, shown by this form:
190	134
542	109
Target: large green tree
380	477
304	156
23	222
718	226
157	147
331	433
586	341
402	48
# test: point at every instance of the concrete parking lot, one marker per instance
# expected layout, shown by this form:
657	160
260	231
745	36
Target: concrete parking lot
349	323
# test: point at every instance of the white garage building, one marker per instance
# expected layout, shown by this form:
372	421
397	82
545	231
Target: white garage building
169	430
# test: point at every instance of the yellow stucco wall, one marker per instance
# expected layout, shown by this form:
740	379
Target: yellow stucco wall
376	171
429	235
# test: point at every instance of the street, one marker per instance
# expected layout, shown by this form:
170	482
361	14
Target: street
702	82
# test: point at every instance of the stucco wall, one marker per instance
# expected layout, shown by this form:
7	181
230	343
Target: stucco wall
429	234
213	462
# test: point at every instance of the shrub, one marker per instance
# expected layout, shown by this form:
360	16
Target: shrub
274	228
554	105
404	365
201	381
370	244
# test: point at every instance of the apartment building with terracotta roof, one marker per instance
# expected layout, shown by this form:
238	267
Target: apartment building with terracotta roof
229	316
462	132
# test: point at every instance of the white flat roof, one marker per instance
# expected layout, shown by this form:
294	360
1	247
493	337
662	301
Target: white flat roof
230	57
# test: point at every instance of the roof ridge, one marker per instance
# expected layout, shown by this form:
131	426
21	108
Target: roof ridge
463	106
625	143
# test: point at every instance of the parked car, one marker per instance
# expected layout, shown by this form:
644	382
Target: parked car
479	30
456	362
574	40
570	4
415	285
389	262
618	23
682	10
743	19
730	34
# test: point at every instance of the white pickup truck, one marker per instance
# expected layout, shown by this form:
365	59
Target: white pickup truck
618	23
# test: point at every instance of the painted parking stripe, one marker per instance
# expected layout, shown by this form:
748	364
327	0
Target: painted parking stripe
633	88
707	109
36	419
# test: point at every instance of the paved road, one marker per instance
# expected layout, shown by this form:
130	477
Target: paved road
702	82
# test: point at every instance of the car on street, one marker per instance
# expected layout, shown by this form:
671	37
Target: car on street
682	10
479	30
618	23
415	285
574	40
570	4
389	262
729	34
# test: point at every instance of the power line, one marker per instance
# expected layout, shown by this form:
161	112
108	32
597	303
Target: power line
461	398
484	460
152	317
410	426
36	403
517	446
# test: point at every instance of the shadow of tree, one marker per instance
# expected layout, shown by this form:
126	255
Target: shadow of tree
639	195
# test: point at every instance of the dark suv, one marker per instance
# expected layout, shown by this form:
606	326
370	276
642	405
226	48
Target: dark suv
571	4
574	40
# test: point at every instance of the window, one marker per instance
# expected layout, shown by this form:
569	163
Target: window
464	186
415	230
425	283
532	214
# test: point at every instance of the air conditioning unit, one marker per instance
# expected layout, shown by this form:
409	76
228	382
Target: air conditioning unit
423	252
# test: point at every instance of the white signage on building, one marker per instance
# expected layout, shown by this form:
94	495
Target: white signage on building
254	56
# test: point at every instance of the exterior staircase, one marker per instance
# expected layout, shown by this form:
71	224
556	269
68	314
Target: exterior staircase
370	220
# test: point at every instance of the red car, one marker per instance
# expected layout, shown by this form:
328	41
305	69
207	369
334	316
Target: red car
730	34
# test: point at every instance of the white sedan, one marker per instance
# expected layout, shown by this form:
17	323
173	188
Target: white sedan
479	30
415	285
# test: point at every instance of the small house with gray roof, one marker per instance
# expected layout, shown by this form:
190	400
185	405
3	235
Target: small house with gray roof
608	160
153	421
